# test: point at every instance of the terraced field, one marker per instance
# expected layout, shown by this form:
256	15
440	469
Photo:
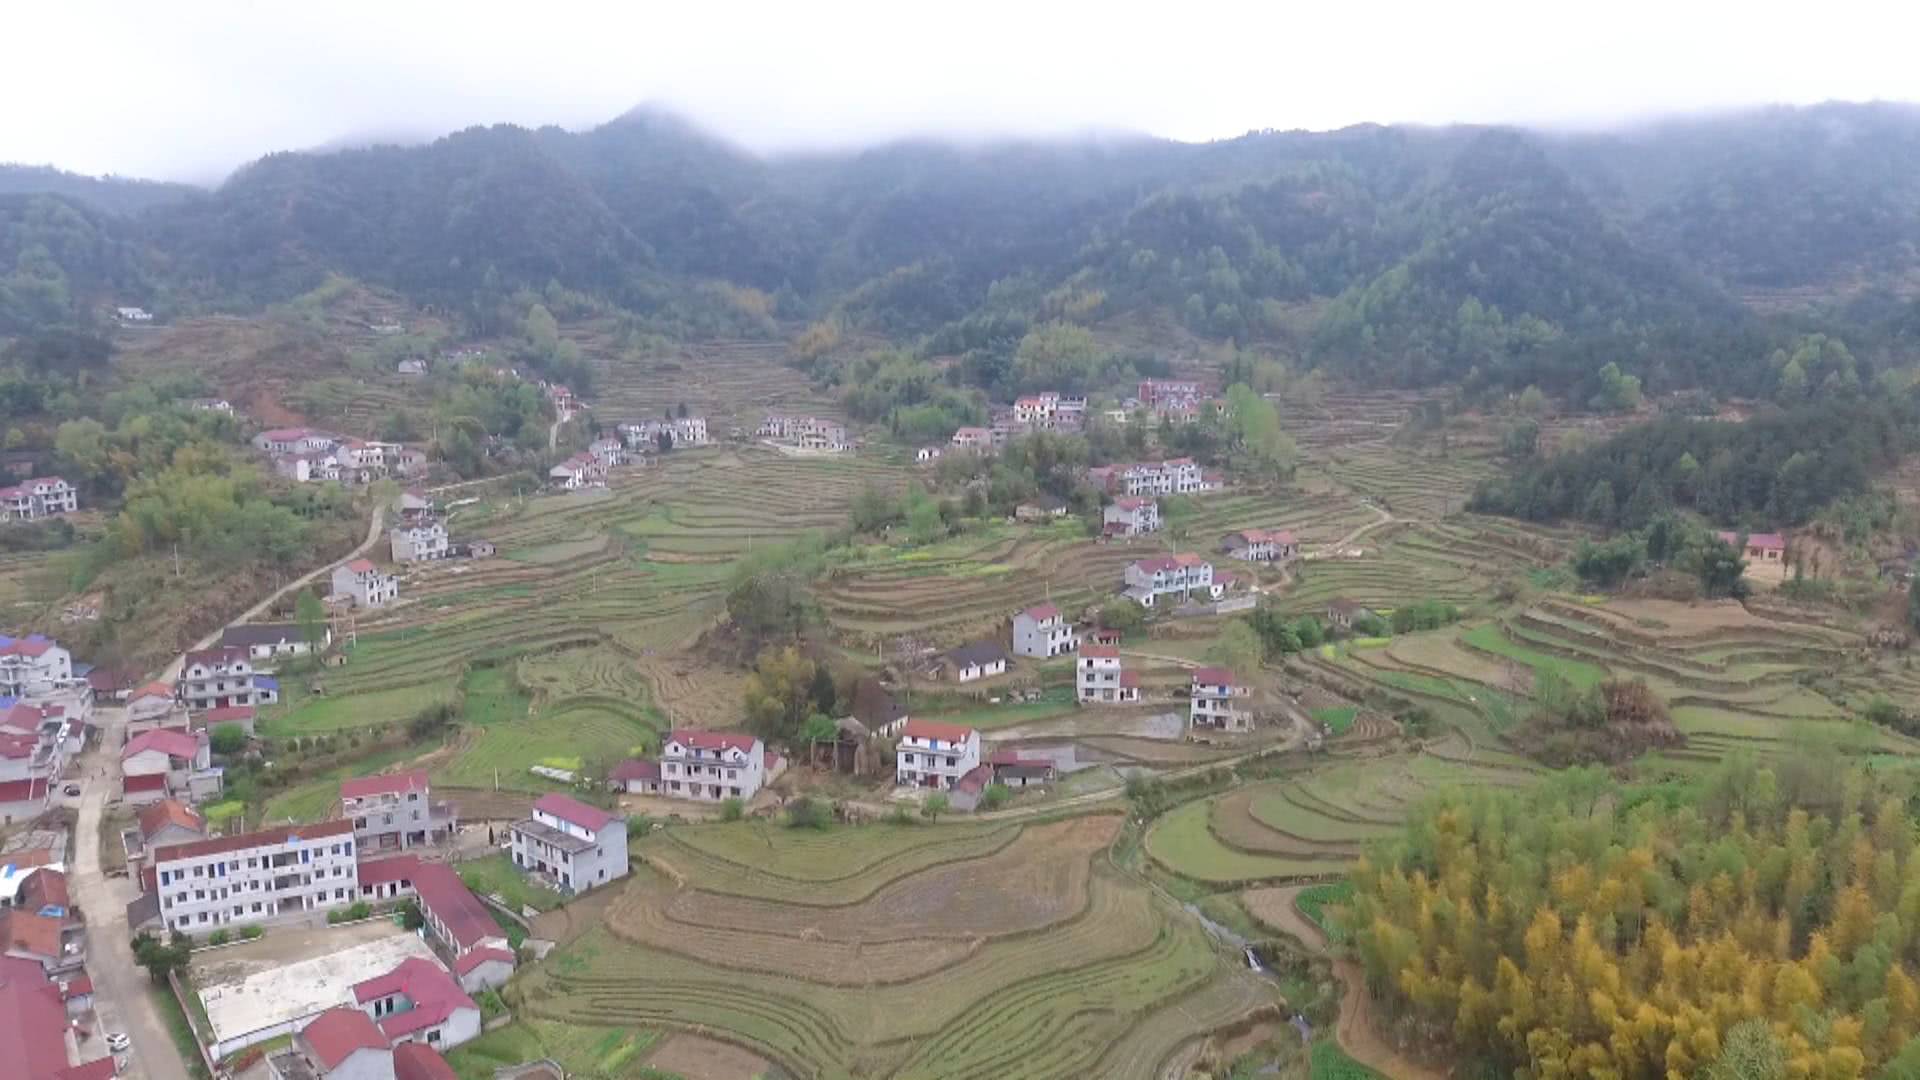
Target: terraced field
731	383
1022	951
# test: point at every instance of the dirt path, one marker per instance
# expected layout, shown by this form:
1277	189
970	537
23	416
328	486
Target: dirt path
1384	517
1356	1031
171	672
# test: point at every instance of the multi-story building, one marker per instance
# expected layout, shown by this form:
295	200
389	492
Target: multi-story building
1131	515
255	877
977	439
33	666
608	452
1037	409
266	642
935	755
807	432
395	811
1175	476
1100	679
421	540
1042	632
294	441
1217	701
1260	545
1159	393
712	765
576	845
42	496
216	678
365	584
680	431
1148	580
419	1001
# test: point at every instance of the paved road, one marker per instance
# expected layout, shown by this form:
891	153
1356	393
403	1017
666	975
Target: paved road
374	532
123	998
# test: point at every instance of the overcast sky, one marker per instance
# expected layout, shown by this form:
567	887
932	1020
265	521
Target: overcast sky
188	89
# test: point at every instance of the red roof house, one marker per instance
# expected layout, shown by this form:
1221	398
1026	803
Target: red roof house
385	784
430	989
573	811
933	730
339	1033
418	1061
451	909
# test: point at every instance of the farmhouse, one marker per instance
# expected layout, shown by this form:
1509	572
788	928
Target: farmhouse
1176	476
211	404
363	582
679	432
1015	771
1130	516
927	453
241	716
423	540
419	1001
133	314
576	845
806	432
576	472
636	776
1041	508
977	660
966	792
712	765
976	439
266	641
1215	701
1155	393
1765	554
484	968
183	759
1260	545
607	453
1343	613
24	800
453	914
395	811
254	877
294	441
934	755
1042	632
1147	580
875	707
214	678
42	496
33	666
170	822
1100	678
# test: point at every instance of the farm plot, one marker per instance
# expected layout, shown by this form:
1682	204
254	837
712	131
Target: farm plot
813	980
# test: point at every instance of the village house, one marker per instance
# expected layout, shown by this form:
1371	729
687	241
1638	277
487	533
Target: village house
412	365
34	1027
419	1001
33	742
934	755
1147	580
388	878
1155	393
218	677
975	660
395	811
151	705
683	431
133	314
240	716
1130	516
1260	545
1041	508
266	642
1765	554
608	453
927	453
51	941
42	496
1099	678
1036	408
408	461
33	666
712	765
976	439
1342	613
162	823
363	582
254	877
423	540
576	845
635	776
1017	771
877	709
210	404
806	432
24	800
1215	701
579	471
485	968
1175	476
183	759
1042	632
966	793
294	441
454	916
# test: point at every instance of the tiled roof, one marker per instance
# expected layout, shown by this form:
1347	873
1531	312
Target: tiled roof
418	1061
976	652
170	743
153	689
975	780
473	958
18	744
340	1031
43	889
1213	676
229	714
572	810
360	566
1043	612
712	740
263	838
453	905
930	729
169	812
1130	679
636	769
30	932
226	654
394	868
1100	652
32	1021
384	784
147	782
13	791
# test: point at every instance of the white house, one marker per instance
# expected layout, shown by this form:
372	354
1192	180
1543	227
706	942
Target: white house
927	453
935	755
484	968
711	765
253	877
978	660
33	666
412	365
294	441
1099	678
1216	701
153	703
265	642
365	584
422	540
607	453
1260	545
1042	632
42	496
636	776
1147	580
133	314
1131	515
395	811
576	845
576	472
977	439
1175	476
419	1001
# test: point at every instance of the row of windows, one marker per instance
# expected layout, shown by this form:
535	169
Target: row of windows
930	759
254	862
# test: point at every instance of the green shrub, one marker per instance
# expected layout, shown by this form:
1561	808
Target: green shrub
251	933
219	937
995	796
732	809
808	813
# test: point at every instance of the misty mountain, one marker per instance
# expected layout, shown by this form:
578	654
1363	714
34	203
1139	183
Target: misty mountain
109	194
1432	253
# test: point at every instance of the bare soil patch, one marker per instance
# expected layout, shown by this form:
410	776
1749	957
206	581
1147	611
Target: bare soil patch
697	1057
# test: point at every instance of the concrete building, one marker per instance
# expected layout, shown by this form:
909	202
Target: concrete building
974	661
421	541
576	845
1175	476
935	755
33	666
184	758
636	776
1042	632
712	765
1179	576
216	678
363	582
453	914
1099	678
1260	545
40	497
1130	515
484	968
419	1001
256	877
395	811
1218	701
266	642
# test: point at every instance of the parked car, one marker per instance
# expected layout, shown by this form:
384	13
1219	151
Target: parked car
72	789
118	1041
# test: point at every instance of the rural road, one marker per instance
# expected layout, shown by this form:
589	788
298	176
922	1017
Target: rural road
171	672
123	996
1385	518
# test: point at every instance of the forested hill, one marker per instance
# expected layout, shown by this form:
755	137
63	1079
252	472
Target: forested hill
1409	254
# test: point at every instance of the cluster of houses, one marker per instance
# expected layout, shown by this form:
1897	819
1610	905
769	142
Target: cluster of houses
1174	476
40	497
806	433
421	534
46	712
1179	401
44	986
589	467
306	455
565	405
